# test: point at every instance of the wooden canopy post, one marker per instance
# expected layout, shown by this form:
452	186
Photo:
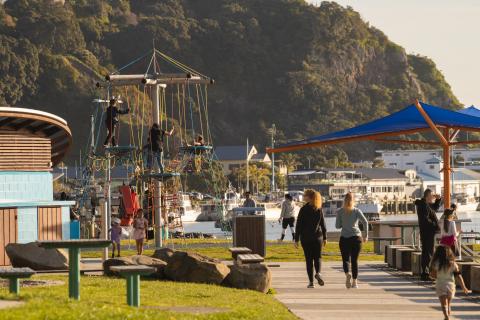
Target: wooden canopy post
444	140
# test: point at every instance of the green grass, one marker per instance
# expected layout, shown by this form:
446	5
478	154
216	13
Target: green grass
275	252
104	298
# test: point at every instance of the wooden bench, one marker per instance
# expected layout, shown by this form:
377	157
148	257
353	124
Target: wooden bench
238	250
132	274
377	248
250	258
13	275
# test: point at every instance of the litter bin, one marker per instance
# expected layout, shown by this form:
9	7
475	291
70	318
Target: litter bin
249	230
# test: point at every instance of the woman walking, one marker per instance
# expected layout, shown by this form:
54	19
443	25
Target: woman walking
444	269
287	216
140	225
311	232
351	238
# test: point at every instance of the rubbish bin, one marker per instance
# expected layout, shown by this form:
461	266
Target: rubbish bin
249	231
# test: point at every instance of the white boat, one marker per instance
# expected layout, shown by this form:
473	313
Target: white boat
218	209
465	203
369	206
272	210
187	211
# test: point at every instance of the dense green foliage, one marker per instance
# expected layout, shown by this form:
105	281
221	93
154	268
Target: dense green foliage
307	69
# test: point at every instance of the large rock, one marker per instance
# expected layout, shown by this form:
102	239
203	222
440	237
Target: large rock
37	258
192	267
158	264
250	276
163	254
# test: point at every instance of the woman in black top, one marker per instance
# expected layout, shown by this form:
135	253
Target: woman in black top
311	232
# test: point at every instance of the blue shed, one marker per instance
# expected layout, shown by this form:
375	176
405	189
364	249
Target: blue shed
31	143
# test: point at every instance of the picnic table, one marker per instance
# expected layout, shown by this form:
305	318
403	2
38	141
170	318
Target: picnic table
74	247
13	275
132	274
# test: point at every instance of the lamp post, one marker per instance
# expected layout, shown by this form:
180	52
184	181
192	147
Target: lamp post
273	131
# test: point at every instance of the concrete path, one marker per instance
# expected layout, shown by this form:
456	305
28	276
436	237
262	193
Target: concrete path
381	295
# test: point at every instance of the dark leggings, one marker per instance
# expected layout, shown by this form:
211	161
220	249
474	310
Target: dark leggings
428	244
350	248
110	134
313	252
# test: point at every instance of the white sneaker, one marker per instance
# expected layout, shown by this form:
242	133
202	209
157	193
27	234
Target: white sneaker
311	285
348	281
354	284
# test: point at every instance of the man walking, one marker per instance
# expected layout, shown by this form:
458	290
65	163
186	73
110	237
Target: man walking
428	223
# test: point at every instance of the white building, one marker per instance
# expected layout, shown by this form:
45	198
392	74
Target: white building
415	159
378	183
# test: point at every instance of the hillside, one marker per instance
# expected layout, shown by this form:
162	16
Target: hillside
307	69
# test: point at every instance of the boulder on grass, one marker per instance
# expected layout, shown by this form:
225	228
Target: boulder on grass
158	264
163	254
37	258
249	276
192	267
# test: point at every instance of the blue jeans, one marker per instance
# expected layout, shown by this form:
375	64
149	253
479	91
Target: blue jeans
155	157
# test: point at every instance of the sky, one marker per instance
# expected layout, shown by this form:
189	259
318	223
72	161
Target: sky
447	31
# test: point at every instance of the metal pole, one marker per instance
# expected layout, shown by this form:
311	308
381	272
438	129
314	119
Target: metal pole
108	205
248	182
92	147
273	158
157	197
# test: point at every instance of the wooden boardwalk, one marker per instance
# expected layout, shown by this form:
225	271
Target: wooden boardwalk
381	295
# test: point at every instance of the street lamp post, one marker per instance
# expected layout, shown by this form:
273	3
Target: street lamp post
273	131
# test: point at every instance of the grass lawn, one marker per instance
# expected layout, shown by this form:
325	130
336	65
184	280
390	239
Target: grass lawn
105	298
275	252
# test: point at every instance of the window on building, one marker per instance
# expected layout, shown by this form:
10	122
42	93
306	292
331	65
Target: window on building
392	164
409	163
431	166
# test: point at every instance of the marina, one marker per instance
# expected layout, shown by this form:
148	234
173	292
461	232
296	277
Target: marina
276	160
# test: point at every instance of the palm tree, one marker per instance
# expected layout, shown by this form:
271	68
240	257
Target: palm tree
290	160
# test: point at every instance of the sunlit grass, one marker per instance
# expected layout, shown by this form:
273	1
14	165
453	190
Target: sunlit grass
105	298
275	252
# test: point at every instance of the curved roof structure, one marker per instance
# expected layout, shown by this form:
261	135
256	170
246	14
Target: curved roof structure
40	124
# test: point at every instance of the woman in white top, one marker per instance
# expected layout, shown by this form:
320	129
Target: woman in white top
448	230
140	225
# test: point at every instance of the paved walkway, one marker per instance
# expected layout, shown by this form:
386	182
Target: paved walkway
381	295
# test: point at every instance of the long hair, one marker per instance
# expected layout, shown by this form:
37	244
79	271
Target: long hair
348	202
446	214
315	198
443	258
